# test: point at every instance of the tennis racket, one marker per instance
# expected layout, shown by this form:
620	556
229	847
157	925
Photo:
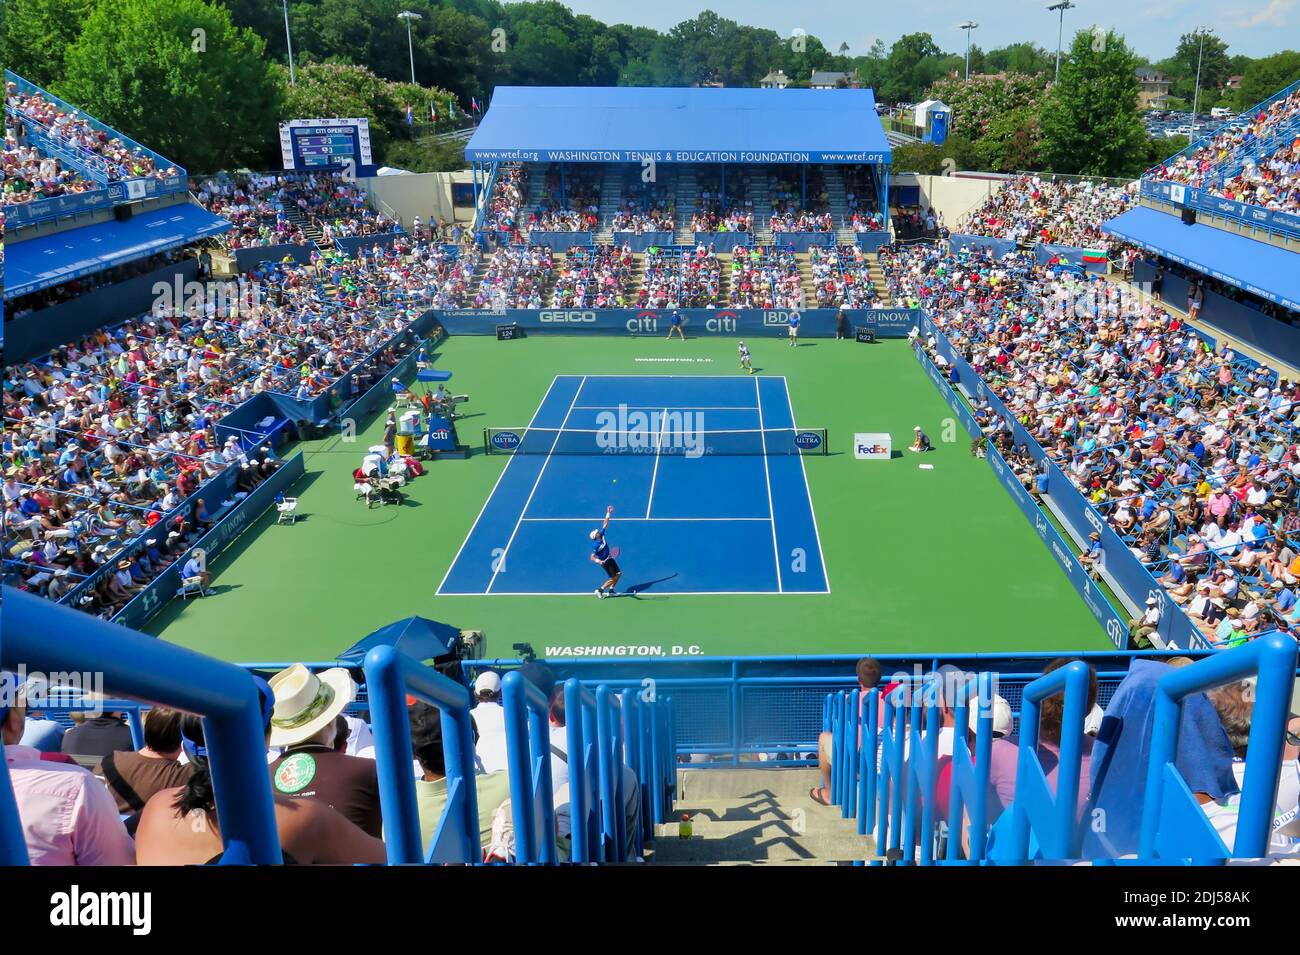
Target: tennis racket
615	551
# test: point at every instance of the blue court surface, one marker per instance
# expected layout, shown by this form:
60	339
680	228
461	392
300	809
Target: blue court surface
709	492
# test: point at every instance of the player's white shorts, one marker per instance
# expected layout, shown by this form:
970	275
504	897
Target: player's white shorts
794	331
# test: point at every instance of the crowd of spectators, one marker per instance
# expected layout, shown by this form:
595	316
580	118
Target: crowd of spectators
508	195
75	131
1029	209
571	204
719	212
841	277
1271	180
30	174
790	211
765	277
516	276
88	796
647	206
1190	454
859	197
257	204
680	279
598	277
106	437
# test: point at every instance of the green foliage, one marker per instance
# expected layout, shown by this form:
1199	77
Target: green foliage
1090	121
975	105
932	160
1216	66
176	75
1020	58
37	34
427	157
1262	78
1013	141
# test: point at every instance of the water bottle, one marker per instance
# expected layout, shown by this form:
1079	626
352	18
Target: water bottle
684	828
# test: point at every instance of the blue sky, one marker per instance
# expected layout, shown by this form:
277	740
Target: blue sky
1152	27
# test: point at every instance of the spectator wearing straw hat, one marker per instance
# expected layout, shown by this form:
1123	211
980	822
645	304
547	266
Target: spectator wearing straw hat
1142	626
303	722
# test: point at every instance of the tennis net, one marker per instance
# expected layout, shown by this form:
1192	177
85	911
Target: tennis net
681	442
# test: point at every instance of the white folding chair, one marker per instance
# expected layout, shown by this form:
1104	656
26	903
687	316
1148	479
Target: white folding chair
191	587
287	509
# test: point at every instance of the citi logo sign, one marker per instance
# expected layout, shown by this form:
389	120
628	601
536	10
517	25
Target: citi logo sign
778	317
724	321
442	434
643	322
567	317
1115	630
998	466
1040	525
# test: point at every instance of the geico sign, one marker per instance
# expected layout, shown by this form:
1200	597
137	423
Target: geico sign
722	322
570	318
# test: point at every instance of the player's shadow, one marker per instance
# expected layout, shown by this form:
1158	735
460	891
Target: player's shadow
636	590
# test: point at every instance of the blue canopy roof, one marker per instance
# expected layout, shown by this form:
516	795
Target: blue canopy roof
626	124
1265	270
417	637
62	256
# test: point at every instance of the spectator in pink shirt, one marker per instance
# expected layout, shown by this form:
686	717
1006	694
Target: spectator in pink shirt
1006	752
67	815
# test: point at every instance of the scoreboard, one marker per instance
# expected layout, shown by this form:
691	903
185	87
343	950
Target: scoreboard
313	145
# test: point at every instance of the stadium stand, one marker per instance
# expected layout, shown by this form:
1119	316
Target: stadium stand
1030	209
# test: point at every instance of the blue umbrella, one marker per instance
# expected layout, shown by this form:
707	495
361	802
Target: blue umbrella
417	637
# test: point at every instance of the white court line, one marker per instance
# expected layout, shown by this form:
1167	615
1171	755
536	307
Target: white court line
505	553
665	408
541	404
654	475
808	490
666	593
767	476
615	520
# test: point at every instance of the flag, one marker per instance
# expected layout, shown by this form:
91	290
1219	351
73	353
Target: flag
433	111
1093	255
473	104
410	116
451	108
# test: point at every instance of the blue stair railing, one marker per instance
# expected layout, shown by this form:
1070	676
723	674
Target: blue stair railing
42	635
390	676
1173	823
528	754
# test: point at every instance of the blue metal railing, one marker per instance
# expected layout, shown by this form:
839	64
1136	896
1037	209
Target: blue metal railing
1173	823
45	636
390	676
528	755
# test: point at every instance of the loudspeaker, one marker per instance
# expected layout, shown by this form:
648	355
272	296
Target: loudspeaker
123	213
1189	216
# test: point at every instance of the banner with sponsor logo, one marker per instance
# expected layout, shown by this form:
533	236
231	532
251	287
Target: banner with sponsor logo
1200	199
1121	567
813	322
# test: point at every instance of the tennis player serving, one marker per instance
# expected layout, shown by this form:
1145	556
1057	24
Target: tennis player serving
602	554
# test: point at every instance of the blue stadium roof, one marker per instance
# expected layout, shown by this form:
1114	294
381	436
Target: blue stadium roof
625	124
1264	270
52	259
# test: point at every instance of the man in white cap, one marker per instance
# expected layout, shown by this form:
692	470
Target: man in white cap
303	722
1141	627
920	440
490	720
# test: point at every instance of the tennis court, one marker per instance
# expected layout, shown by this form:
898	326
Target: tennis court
706	477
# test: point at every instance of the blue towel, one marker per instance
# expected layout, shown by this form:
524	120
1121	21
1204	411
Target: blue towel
1123	750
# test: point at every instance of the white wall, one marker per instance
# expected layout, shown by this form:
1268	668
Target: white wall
427	195
954	196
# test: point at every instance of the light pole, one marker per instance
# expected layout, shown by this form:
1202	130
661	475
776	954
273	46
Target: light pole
1196	90
408	16
1060	29
968	26
288	42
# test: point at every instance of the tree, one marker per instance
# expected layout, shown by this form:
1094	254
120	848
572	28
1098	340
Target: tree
977	103
929	159
37	34
1019	58
1216	66
177	75
412	156
1090	118
1013	141
1264	77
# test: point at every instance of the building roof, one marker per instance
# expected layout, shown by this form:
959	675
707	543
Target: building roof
629	124
827	78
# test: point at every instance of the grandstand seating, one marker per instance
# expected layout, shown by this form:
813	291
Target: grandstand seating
1201	484
1252	159
1030	209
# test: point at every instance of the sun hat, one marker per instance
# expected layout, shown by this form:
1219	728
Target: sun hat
307	702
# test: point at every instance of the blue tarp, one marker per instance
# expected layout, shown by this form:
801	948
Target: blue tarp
625	124
1265	270
52	259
